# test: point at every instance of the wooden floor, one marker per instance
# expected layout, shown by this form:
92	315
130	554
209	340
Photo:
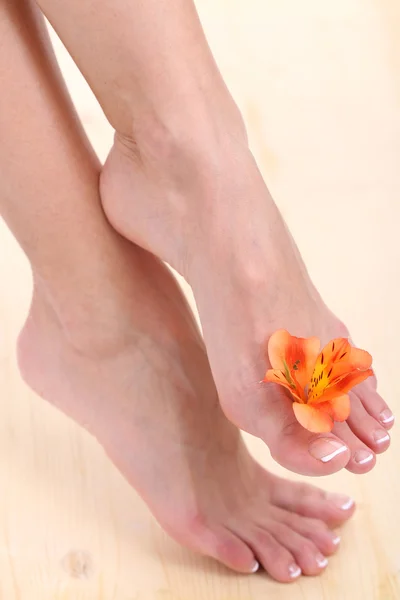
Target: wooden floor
319	85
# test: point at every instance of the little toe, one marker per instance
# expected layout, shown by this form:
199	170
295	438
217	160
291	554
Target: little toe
366	427
310	501
362	458
374	404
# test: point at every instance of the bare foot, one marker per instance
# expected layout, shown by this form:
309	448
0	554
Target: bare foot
209	214
148	396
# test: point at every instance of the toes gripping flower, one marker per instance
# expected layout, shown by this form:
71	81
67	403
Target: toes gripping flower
318	381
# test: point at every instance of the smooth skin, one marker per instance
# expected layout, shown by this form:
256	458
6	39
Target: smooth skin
181	182
110	340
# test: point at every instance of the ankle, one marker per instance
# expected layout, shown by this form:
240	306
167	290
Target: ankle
179	145
93	329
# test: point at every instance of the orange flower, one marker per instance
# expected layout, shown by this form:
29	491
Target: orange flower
318	381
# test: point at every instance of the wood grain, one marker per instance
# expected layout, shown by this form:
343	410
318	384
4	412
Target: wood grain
319	86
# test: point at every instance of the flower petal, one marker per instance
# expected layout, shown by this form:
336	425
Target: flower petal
334	351
278	345
340	408
350	359
297	355
335	362
360	359
312	418
276	376
342	386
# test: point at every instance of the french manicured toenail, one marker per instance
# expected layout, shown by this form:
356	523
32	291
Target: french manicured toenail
255	567
322	561
336	538
325	449
380	436
362	457
294	571
341	501
386	416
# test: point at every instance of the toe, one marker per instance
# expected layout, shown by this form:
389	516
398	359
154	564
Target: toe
215	541
275	558
310	501
291	445
362	458
366	427
234	553
227	548
315	530
374	404
305	552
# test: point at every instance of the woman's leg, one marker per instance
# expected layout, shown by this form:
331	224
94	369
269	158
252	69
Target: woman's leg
181	182
110	341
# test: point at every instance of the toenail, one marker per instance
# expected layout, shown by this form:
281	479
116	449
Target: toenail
381	436
362	457
322	561
336	538
341	501
294	571
386	416
325	449
255	567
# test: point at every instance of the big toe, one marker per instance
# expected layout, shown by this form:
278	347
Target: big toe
218	542
269	415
